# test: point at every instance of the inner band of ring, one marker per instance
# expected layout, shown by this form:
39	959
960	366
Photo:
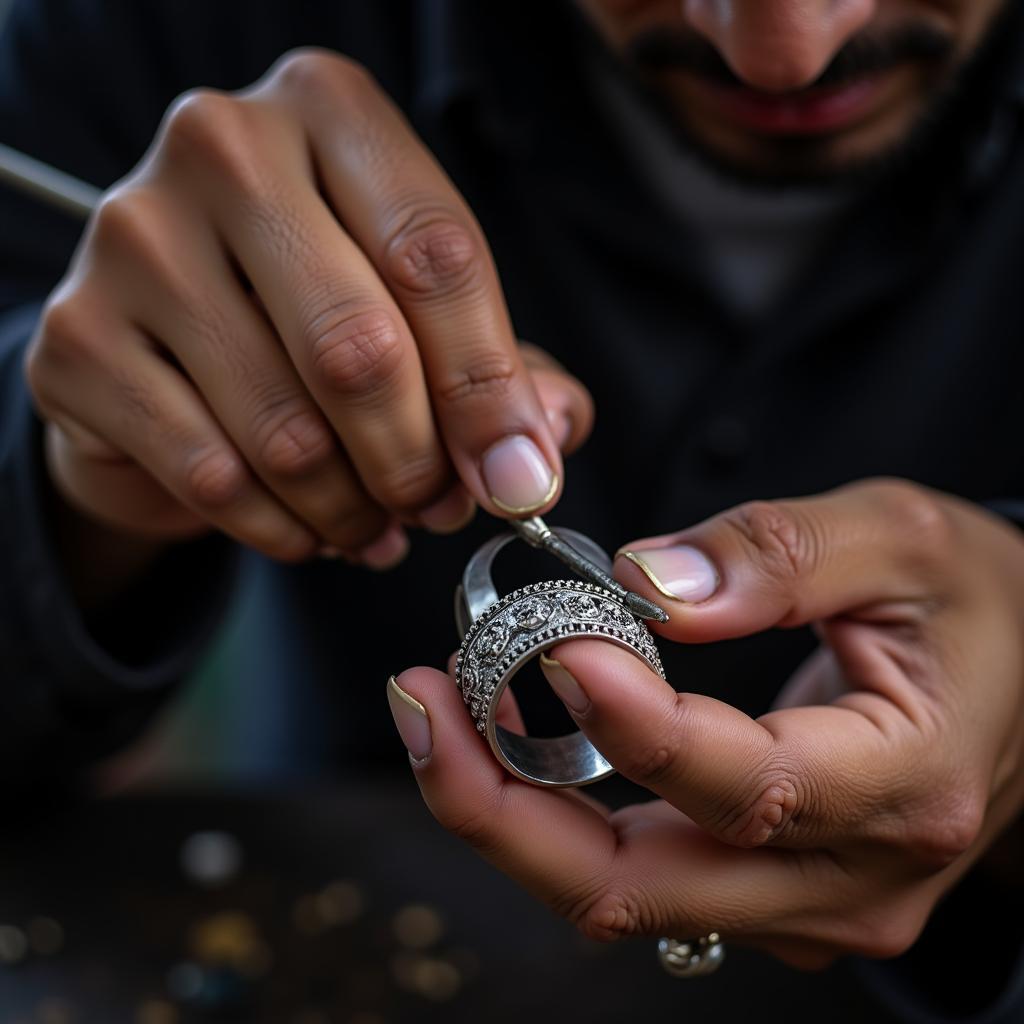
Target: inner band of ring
511	632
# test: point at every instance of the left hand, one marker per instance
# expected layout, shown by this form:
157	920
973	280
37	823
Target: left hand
831	825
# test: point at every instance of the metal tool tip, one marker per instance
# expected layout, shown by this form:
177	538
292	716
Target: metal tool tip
645	609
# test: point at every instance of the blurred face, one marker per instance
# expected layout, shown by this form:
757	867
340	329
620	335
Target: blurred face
798	88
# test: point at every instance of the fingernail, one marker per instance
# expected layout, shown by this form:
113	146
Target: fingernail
411	720
563	684
561	426
387	550
518	477
449	514
681	573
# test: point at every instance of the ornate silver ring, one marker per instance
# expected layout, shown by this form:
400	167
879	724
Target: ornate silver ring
691	958
503	634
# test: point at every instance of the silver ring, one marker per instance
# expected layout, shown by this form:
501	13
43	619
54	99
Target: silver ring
692	958
505	633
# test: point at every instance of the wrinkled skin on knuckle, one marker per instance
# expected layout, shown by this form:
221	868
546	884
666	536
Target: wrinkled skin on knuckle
784	545
658	760
767	810
483	383
129	223
294	443
650	766
937	835
610	916
355	355
212	479
433	256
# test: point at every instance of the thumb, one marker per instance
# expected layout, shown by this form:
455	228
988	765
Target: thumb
873	547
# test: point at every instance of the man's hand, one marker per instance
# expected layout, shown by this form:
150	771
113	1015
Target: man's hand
286	324
832	824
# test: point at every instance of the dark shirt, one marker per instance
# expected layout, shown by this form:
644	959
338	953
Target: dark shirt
898	353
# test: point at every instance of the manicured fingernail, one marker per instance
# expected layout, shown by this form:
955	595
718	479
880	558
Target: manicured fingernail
681	573
449	514
563	684
387	550
517	476
412	721
561	426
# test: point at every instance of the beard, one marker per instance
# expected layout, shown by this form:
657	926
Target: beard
959	93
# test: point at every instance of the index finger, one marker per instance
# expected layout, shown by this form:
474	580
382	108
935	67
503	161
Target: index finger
644	870
397	203
802	778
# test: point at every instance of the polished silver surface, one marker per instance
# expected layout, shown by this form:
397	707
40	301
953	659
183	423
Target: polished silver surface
477	591
503	634
691	958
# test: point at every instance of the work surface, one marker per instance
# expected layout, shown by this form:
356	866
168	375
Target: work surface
348	905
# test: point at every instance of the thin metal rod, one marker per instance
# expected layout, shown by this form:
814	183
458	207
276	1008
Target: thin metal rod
538	534
53	187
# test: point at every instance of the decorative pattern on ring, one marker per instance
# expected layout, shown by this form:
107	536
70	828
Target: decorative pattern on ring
536	617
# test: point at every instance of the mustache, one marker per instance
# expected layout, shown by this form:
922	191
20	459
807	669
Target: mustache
663	49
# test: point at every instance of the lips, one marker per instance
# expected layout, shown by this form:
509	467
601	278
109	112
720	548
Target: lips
809	112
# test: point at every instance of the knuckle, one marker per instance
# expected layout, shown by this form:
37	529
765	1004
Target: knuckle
198	118
777	537
655	762
410	483
489	379
213	479
64	332
355	354
882	934
218	130
611	916
769	814
309	72
432	255
127	218
650	767
292	440
916	513
659	760
942	835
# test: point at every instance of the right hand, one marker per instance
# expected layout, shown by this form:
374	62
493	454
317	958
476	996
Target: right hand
285	324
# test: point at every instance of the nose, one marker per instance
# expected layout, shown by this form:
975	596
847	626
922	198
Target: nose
778	45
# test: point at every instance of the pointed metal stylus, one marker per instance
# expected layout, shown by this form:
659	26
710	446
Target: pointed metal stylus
538	534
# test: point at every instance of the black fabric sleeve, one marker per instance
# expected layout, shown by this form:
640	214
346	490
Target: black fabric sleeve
65	697
79	88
